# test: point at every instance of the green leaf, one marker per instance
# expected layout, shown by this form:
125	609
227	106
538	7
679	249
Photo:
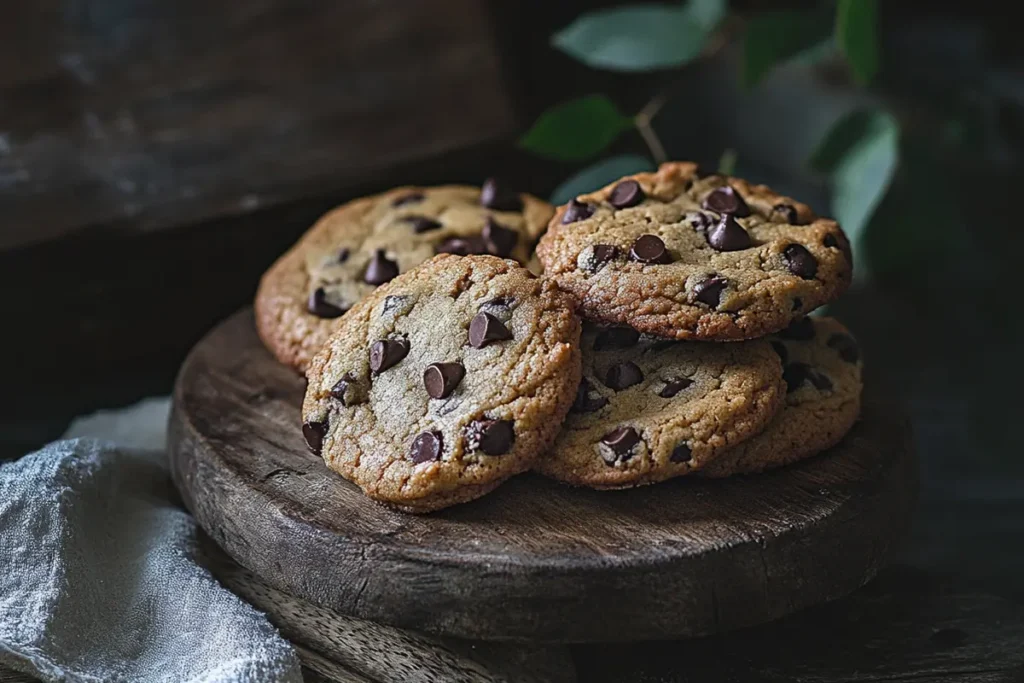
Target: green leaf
641	37
775	37
576	130
727	162
600	174
861	154
857	36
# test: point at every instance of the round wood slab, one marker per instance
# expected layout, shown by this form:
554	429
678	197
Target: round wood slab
535	560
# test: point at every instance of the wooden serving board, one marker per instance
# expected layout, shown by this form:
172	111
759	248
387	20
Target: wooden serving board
535	560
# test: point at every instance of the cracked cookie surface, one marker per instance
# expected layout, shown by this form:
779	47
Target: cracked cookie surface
679	256
648	410
822	369
444	382
360	245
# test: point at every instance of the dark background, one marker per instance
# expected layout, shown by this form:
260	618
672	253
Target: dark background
155	157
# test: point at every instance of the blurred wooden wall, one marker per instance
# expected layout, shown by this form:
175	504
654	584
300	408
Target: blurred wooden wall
156	155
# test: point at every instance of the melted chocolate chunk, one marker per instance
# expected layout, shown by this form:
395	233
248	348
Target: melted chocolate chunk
621	442
493	437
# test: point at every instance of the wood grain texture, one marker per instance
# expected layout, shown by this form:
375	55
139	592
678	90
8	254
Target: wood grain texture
155	114
347	648
534	560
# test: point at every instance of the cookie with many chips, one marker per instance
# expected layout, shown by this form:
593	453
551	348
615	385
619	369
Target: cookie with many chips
444	382
361	245
822	369
681	256
648	410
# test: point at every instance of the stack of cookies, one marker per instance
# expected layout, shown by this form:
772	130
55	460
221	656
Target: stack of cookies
660	330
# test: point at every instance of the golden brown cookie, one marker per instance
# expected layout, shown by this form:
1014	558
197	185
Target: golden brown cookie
822	369
647	410
358	246
444	382
679	256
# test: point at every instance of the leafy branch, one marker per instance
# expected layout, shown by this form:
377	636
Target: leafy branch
858	156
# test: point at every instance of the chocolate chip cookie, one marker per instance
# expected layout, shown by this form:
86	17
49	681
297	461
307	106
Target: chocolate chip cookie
444	382
687	257
822	370
361	245
648	410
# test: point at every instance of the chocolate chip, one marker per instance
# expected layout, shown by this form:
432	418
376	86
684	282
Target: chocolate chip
603	253
426	447
500	240
440	379
701	222
462	246
780	349
577	211
830	241
820	381
709	290
680	453
623	375
341	386
800	261
584	403
674	386
493	437
728	201
313	433
626	194
381	269
386	353
846	346
649	249
785	213
320	307
494	195
343	255
798	303
728	235
411	198
421	224
485	328
621	441
619	337
796	374
801	329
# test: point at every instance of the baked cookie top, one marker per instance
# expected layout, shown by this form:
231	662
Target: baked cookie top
822	369
359	246
680	256
648	410
444	382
